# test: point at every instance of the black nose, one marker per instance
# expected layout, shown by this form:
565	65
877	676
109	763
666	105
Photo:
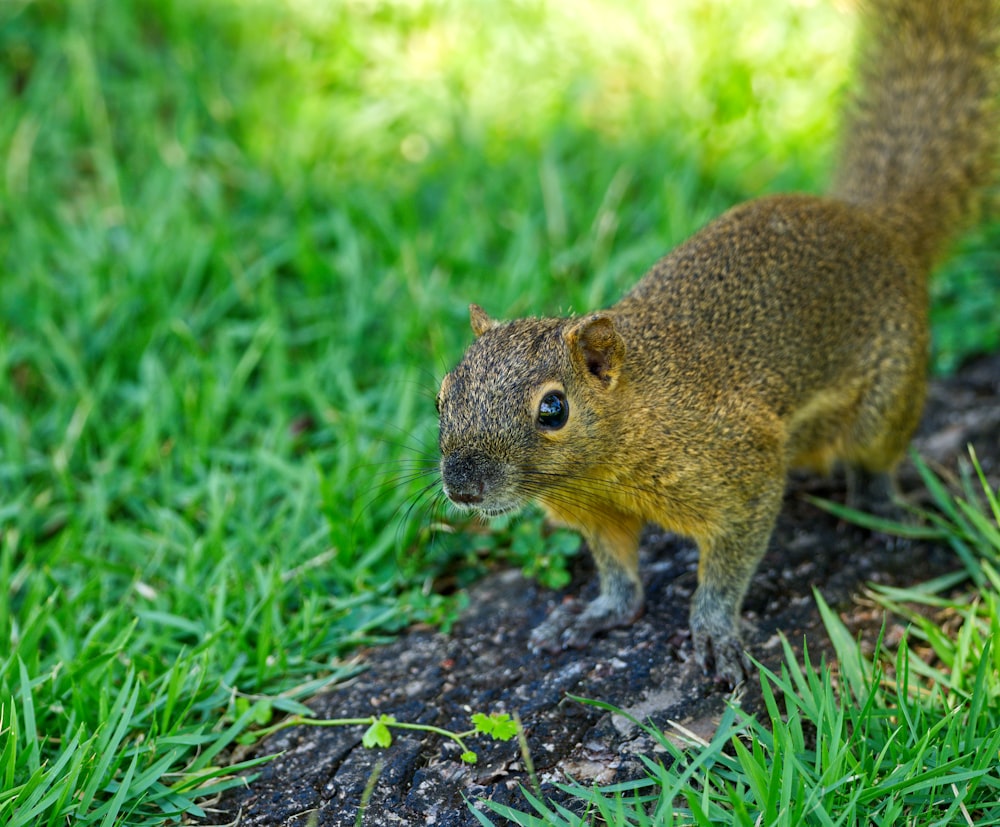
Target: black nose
464	478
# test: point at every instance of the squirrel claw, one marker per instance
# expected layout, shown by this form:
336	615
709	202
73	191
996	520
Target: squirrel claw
572	624
549	635
722	657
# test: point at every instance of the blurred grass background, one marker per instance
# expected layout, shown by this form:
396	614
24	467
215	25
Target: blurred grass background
238	240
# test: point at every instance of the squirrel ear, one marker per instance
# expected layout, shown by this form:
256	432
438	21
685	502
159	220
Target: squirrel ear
597	347
480	320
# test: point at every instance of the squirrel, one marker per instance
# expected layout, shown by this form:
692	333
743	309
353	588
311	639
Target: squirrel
791	332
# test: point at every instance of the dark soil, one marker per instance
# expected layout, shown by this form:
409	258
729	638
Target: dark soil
483	665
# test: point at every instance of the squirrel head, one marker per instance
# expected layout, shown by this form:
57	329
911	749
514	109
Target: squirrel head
517	413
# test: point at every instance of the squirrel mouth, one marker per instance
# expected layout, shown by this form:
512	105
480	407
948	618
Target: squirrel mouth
486	507
496	510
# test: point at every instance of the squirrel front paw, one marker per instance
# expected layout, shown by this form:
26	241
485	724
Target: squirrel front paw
572	624
719	651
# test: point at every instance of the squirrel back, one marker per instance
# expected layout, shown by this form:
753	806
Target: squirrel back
920	133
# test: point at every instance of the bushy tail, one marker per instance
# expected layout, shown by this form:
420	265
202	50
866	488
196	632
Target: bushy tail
921	135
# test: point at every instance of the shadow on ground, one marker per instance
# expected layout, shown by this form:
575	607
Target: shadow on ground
484	666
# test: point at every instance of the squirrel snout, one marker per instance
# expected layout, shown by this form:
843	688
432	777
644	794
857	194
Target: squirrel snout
465	478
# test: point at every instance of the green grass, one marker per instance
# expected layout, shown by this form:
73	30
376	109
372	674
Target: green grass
881	750
237	244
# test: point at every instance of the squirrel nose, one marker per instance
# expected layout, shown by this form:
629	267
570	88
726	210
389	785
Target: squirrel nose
463	478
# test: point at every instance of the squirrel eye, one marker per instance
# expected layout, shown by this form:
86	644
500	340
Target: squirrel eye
553	411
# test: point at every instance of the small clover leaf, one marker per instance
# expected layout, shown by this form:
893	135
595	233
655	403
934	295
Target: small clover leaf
498	725
378	734
262	712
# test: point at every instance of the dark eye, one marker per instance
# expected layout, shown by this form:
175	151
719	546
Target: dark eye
553	411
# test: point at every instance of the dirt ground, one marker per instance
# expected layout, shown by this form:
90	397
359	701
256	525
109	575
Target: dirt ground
484	663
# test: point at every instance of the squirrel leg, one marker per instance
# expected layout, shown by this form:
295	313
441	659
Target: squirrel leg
885	419
726	565
873	491
571	625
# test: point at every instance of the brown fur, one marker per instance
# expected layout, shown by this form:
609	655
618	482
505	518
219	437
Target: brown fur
791	331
